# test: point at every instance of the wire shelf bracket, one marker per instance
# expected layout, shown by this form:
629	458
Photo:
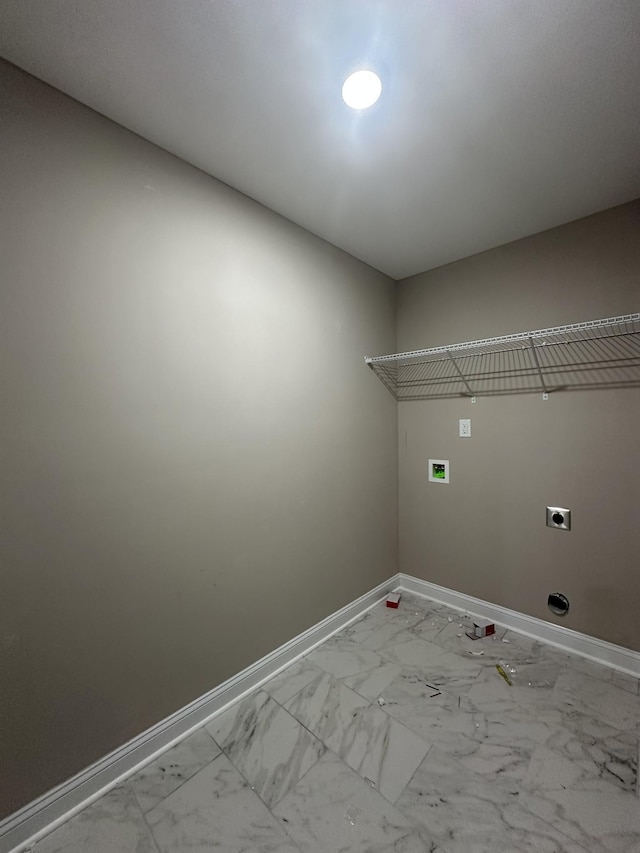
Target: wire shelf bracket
594	354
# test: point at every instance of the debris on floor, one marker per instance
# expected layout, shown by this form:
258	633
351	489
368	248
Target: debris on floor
393	599
352	815
504	675
381	701
481	628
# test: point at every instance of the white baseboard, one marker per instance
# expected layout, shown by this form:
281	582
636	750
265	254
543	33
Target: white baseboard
22	829
608	654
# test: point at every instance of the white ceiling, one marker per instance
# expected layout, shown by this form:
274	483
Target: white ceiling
498	118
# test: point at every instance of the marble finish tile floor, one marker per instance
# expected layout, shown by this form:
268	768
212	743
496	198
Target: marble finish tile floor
397	734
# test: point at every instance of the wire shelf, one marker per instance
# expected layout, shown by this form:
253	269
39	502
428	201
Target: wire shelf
595	354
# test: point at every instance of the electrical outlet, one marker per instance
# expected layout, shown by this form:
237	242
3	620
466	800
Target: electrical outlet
464	427
558	518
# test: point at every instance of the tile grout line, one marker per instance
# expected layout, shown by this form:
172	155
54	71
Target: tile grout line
253	790
144	817
129	779
519	783
295	719
372	704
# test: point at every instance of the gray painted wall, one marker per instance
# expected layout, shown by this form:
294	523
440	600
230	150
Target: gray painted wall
484	534
196	463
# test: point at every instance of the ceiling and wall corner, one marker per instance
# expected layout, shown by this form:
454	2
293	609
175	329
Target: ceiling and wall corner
497	119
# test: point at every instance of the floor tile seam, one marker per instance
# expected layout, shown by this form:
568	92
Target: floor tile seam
339	678
402	725
342	681
418	673
318	737
368	784
394	803
129	784
475	712
369	706
283	824
544	791
634	731
304	776
555	829
249	787
51	830
370	703
469	657
521	788
306	727
181	785
423	673
440	630
253	789
130	779
538	793
320	671
408	783
387	655
531	788
156	843
368	781
248	783
568	665
562	727
564	664
374	704
311	733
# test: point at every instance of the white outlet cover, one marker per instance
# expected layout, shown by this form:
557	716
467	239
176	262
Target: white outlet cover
464	427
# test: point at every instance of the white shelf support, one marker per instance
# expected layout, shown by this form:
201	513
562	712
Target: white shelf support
545	390
461	375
